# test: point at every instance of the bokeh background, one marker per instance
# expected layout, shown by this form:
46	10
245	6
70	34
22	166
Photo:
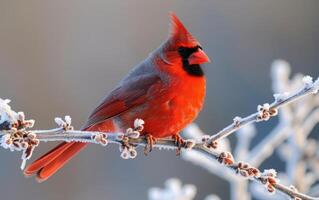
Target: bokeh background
60	57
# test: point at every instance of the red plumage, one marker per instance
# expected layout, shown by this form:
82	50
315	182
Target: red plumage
166	90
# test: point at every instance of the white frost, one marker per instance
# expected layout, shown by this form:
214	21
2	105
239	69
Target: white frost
6	114
269	172
307	80
138	123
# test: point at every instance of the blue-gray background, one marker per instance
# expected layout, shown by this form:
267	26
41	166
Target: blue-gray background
61	57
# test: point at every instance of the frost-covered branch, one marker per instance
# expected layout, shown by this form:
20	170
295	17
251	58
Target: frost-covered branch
18	137
266	111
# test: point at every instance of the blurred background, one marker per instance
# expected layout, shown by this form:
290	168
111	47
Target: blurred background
61	57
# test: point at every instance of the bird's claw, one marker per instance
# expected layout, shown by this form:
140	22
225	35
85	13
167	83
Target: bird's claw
179	142
150	140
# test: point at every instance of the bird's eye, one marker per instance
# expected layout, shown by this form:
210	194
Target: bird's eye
181	50
184	52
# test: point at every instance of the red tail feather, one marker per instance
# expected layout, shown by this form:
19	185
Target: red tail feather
51	162
46	158
59	161
45	166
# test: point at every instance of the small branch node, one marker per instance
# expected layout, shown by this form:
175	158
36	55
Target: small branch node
139	125
237	121
65	124
265	112
189	144
100	138
268	178
245	170
226	158
128	151
22	123
209	144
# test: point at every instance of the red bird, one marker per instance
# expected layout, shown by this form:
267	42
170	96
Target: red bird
166	90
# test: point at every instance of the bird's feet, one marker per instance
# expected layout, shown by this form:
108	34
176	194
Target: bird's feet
179	142
150	140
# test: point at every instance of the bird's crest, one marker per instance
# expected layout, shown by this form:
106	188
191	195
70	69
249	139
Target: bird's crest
179	35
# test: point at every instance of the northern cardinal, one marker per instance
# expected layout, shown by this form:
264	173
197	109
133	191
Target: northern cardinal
166	90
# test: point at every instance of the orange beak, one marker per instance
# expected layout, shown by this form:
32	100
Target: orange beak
198	57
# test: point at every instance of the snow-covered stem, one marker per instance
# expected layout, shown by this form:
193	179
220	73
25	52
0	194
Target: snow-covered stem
86	136
258	178
74	136
266	111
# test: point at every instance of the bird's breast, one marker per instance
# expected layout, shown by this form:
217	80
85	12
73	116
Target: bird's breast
179	106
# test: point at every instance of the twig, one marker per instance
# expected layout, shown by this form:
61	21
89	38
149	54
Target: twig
117	138
267	111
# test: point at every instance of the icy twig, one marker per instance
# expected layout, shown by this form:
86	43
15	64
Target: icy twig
266	111
69	135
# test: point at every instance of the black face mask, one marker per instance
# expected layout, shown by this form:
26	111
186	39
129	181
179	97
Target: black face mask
185	53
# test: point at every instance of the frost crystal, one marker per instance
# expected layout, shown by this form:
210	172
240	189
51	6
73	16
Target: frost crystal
125	154
132	133
307	80
65	124
266	106
268	178
58	121
269	172
138	123
7	116
68	119
237	120
6	141
281	96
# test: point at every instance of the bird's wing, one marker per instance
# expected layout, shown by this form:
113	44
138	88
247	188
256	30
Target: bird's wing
129	94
